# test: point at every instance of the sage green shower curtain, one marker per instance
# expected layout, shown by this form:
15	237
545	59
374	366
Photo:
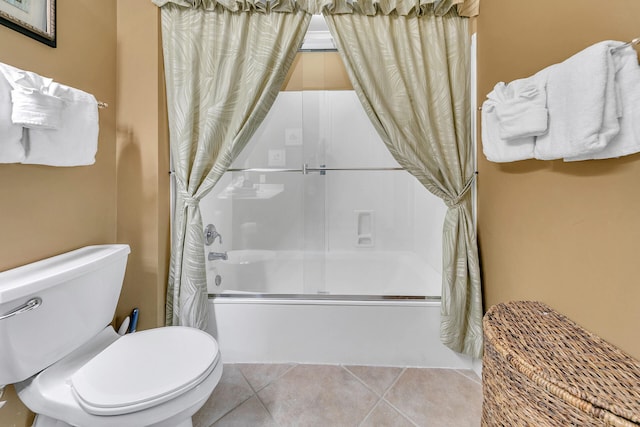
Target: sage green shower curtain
411	70
409	63
223	71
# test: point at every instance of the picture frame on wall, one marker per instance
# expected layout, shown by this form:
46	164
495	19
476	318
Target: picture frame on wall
33	18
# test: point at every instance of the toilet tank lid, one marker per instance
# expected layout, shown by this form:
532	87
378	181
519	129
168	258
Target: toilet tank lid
29	279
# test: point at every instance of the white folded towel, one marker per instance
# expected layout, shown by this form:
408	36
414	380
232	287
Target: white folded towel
75	142
57	125
583	104
35	109
497	149
33	106
627	80
523	109
11	148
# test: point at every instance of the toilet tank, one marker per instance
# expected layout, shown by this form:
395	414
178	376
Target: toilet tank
50	307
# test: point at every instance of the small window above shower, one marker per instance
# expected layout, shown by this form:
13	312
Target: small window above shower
318	37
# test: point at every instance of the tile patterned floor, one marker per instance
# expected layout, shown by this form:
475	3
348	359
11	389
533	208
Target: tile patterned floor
283	395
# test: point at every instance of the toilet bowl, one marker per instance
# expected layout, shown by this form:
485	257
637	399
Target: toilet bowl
159	377
71	368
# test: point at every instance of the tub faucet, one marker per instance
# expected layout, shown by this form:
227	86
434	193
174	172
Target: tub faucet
217	255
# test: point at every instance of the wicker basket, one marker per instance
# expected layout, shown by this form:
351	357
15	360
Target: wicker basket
542	369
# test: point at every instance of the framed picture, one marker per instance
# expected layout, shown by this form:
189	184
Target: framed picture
33	18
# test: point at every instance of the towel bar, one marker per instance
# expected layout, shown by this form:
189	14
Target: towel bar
631	43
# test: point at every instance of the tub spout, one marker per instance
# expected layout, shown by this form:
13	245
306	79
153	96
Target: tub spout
217	255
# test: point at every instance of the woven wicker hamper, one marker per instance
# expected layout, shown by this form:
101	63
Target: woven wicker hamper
542	369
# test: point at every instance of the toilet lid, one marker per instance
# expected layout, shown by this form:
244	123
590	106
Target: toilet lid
144	369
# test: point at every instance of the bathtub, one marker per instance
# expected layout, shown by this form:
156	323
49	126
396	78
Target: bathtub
364	315
366	273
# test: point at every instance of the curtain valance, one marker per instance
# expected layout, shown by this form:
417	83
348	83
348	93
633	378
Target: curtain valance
466	8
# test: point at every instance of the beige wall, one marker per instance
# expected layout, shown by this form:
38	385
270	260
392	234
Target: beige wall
563	233
142	162
48	210
110	49
317	71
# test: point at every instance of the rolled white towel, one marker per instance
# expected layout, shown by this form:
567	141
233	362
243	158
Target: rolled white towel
36	109
627	81
497	149
583	104
11	148
523	112
32	104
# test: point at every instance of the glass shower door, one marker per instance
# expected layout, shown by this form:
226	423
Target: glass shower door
315	205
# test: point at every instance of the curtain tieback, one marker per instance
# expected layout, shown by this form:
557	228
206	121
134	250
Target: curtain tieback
189	200
455	202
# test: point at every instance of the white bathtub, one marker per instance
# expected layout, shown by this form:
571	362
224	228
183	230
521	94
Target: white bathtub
399	273
253	328
374	333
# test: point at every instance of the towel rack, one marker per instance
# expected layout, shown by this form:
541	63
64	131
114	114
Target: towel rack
631	43
102	104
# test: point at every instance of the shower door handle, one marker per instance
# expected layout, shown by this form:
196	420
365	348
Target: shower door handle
306	169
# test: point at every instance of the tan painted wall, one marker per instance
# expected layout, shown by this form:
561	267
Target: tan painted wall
563	233
143	162
47	210
110	49
317	71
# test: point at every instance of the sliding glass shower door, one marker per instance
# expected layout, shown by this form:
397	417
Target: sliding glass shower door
315	205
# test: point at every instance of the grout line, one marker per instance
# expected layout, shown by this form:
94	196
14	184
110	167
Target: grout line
402	414
368	387
370	411
245	378
231	410
293	365
394	382
470	378
384	398
267	409
257	390
381	396
239	404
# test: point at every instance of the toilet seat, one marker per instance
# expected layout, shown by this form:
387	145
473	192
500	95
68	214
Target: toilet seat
144	369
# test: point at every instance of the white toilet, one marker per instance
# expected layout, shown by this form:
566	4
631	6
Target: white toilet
71	368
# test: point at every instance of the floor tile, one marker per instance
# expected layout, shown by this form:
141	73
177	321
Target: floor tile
383	415
377	378
315	395
260	375
437	397
230	392
250	413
